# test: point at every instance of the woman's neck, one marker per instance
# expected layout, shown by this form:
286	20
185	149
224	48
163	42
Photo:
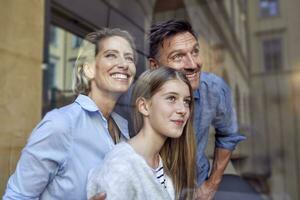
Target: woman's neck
104	101
148	144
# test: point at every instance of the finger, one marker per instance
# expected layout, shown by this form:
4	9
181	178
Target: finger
99	196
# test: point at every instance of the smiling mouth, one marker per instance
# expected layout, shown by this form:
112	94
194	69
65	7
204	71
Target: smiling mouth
192	75
178	122
120	76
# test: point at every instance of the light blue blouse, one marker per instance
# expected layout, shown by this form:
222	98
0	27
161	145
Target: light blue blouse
61	150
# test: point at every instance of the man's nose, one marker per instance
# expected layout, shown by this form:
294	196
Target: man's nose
191	61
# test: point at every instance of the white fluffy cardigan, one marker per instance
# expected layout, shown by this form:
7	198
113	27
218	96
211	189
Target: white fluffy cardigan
126	175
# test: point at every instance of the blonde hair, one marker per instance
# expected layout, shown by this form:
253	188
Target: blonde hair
178	154
88	51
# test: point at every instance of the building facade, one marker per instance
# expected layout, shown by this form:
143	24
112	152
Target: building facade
275	89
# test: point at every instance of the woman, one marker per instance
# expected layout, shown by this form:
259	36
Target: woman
159	162
69	141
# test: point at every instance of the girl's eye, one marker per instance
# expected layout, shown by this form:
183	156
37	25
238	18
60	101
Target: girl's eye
187	102
110	55
171	98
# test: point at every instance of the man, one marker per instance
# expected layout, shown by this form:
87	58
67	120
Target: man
173	43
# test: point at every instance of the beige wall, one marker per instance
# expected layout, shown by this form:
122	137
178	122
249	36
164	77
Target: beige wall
20	77
274	96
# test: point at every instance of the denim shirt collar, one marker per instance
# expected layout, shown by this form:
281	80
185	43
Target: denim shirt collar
89	105
196	93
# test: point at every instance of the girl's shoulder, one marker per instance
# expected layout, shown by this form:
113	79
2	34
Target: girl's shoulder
122	153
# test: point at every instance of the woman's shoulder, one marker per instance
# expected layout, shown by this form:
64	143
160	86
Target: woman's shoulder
55	126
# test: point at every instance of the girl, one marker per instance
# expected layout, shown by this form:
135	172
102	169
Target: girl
159	162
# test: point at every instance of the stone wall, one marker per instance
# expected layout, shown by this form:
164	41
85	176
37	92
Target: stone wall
20	78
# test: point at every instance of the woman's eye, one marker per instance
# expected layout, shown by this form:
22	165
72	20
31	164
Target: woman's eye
129	58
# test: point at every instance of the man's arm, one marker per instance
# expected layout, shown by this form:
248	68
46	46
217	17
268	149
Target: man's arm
207	190
226	137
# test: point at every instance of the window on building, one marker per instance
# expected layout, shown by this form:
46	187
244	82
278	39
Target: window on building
268	8
53	35
76	41
272	54
58	74
49	84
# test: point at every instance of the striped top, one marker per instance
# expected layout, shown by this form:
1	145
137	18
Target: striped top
160	175
164	179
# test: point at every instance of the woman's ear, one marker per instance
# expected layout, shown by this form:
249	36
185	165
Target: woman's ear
89	70
143	106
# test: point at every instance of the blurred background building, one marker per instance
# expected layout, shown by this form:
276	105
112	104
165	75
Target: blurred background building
253	44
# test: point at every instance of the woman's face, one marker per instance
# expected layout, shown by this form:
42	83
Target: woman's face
114	66
169	108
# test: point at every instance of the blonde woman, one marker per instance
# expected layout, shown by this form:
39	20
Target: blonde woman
159	162
69	141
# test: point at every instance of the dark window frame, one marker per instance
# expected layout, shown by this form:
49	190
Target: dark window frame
272	54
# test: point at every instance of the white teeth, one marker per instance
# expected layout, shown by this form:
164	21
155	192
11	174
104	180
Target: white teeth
119	76
191	75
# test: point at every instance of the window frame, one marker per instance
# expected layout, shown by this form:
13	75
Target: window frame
273	67
264	16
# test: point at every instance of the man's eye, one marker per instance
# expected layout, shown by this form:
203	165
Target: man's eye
195	52
177	57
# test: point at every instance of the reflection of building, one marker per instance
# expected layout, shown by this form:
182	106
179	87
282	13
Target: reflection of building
27	40
275	87
222	29
58	73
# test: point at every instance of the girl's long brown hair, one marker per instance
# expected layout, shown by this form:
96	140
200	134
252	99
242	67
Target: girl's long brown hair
178	154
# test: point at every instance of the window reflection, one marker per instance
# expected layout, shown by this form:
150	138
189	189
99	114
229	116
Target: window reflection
57	74
272	54
76	41
268	8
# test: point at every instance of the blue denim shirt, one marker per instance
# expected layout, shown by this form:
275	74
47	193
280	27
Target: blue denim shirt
61	150
213	106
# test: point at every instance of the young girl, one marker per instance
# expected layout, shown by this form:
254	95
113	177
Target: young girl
159	162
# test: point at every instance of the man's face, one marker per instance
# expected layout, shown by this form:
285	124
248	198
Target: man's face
181	52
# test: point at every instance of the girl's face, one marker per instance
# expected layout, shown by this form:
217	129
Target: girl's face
114	66
169	108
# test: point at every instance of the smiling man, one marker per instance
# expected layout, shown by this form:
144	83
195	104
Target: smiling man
174	44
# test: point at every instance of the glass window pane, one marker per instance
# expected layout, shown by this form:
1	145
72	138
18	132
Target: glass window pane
268	8
58	73
272	54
